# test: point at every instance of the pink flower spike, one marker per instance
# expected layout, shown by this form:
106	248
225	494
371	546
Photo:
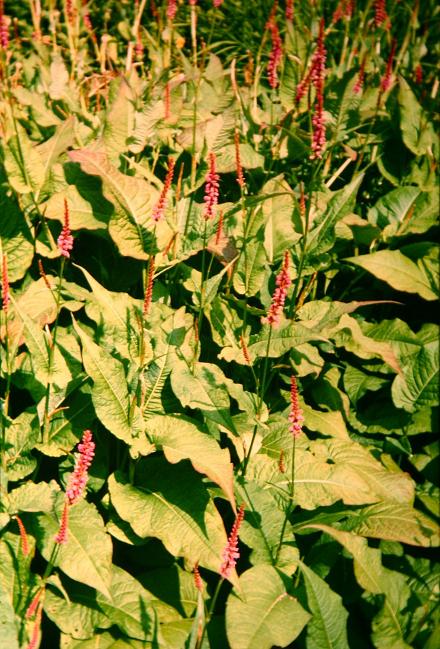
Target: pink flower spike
61	536
231	552
386	79
283	282
171	9
23	536
217	3
78	479
4	29
65	240
380	12
275	57
296	416
289	10
6	297
159	208
211	188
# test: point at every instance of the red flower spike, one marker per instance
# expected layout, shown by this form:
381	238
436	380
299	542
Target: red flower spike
33	643
270	22
65	240
149	288
23	536
211	188
317	74
61	536
197	578
6	297
32	608
283	282
361	78
386	79
296	416
289	10
4	30
78	479
240	178
245	350
419	74
231	552
281	463
217	3
171	9
275	57
159	208
380	12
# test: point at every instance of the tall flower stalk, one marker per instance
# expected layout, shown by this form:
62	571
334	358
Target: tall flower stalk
65	246
317	77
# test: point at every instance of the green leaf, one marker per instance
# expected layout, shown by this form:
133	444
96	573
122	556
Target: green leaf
262	529
133	200
417	386
180	439
57	372
33	497
110	391
205	389
251	268
79	616
8	629
119	119
128	606
87	555
263	614
374	578
341	203
114	312
403	211
417	132
328	625
15	238
397	270
50	150
279	231
282	339
22	433
334	469
173	505
23	163
394	522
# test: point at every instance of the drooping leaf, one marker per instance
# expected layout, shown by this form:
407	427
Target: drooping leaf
180	439
397	270
132	198
263	614
87	555
128	605
173	505
327	628
394	522
110	391
204	389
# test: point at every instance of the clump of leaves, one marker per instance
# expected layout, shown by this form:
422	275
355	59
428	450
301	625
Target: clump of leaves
219	360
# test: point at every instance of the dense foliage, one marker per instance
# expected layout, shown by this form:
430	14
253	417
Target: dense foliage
219	353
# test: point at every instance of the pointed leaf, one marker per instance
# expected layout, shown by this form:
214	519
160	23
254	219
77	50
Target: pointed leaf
87	554
327	628
132	198
181	439
264	614
175	507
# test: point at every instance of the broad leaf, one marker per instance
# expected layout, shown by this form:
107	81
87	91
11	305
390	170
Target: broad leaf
327	628
263	614
173	505
87	555
182	439
133	200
